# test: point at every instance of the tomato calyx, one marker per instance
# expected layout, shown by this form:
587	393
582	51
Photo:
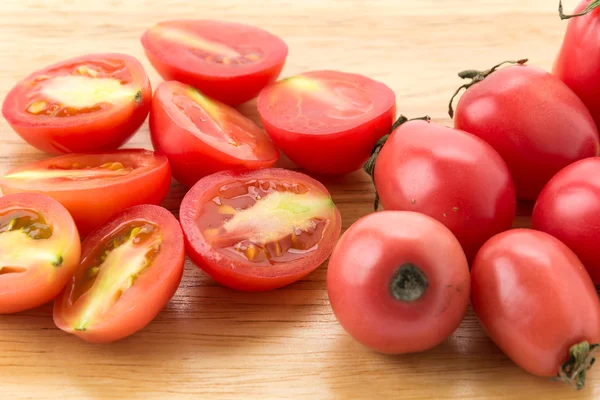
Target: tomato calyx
477	76
409	283
581	359
591	7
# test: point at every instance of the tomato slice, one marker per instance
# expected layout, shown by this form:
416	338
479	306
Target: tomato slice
259	230
201	136
94	187
39	250
327	121
129	270
229	62
90	103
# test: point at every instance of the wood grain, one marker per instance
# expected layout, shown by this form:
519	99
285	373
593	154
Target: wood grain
212	342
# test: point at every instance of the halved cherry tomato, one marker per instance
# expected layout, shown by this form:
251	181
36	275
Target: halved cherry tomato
327	121
259	230
90	103
201	136
94	187
39	250
569	209
129	270
398	282
229	62
537	303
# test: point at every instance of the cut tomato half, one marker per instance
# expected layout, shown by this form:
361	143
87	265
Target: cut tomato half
90	103
259	230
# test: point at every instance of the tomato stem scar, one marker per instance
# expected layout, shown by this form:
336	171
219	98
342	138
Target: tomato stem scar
591	7
409	283
59	260
138	96
581	359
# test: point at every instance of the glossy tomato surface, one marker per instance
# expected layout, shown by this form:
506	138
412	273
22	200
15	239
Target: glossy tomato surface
91	103
569	209
536	123
449	175
227	61
129	270
39	250
94	187
398	282
259	230
327	121
534	299
201	136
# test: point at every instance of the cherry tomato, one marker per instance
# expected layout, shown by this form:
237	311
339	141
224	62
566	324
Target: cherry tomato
449	175
39	250
201	136
90	103
227	61
398	282
537	303
569	209
259	230
327	121
536	123
129	270
94	187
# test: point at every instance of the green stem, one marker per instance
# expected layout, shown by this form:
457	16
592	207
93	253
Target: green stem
581	359
591	7
476	77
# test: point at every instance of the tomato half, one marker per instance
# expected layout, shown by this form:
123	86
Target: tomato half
39	250
94	187
201	136
537	303
129	270
569	209
259	230
90	103
536	123
228	61
398	282
327	121
449	175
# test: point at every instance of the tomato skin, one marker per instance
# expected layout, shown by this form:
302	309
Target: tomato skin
93	205
569	209
80	134
521	273
578	61
240	275
134	310
536	123
23	291
363	264
449	175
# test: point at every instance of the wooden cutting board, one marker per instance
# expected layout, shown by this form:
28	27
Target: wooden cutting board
215	343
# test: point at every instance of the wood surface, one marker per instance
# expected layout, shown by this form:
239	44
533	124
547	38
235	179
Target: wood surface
215	343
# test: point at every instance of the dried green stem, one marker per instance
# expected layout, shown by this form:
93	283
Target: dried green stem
591	7
581	359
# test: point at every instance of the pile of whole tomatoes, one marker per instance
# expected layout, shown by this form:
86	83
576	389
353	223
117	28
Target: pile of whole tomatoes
399	280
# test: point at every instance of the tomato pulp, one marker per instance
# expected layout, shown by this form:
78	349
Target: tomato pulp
129	270
227	61
259	230
90	103
94	187
201	136
39	250
327	121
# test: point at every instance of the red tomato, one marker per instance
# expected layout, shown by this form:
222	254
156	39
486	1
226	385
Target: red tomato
259	230
201	136
129	270
536	123
229	62
569	209
39	250
94	187
578	62
449	175
327	121
90	103
398	282
537	303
